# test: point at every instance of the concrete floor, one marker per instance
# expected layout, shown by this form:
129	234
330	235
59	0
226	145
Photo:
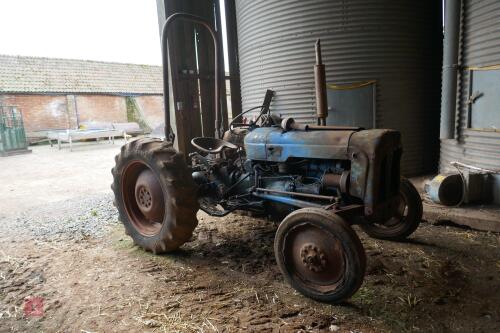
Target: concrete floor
476	216
50	175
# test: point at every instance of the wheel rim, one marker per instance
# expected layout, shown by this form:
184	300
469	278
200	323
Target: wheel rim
314	257
143	198
400	214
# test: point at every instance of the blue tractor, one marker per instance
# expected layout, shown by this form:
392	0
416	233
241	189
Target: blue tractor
320	180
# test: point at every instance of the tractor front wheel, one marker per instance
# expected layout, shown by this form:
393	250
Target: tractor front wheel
155	195
320	255
405	219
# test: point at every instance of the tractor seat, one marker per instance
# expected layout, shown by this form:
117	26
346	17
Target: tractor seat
211	145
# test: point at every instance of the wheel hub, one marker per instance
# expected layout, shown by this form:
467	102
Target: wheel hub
313	257
149	196
144	198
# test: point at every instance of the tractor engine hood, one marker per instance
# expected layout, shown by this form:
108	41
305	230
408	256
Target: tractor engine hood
374	156
276	145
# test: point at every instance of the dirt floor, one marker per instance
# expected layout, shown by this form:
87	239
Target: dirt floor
60	242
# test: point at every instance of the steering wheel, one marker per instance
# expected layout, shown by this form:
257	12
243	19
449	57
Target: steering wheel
233	125
264	113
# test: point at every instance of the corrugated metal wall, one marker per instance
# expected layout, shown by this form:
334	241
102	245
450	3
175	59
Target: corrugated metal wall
479	47
396	43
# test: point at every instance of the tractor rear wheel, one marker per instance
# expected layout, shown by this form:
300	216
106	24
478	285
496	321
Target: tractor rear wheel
406	218
155	195
320	255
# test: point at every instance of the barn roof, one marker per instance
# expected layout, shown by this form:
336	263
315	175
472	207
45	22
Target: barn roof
34	75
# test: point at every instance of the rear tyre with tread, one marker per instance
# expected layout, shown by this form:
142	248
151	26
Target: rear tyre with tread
155	195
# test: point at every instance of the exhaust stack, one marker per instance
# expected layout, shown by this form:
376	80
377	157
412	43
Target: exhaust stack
320	86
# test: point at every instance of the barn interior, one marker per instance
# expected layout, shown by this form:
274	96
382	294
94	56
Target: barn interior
79	256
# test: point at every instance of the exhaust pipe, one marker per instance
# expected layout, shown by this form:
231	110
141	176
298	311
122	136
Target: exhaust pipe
320	85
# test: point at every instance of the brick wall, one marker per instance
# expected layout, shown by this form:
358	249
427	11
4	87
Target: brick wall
101	108
46	112
40	112
151	108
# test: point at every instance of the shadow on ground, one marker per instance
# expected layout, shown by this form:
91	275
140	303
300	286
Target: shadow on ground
440	280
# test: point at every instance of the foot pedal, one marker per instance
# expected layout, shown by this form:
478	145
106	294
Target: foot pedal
212	209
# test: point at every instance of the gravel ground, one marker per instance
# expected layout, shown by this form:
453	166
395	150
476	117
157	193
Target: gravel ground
73	219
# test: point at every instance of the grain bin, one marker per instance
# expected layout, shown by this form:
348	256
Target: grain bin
473	134
382	61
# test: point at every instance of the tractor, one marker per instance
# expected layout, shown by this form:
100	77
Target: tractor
320	180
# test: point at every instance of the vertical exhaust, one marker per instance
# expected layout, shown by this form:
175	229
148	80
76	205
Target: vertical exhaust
320	86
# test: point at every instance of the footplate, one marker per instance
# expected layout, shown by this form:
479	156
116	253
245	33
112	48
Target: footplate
212	208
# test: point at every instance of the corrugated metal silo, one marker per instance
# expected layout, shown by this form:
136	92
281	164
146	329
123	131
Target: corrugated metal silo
477	131
395	43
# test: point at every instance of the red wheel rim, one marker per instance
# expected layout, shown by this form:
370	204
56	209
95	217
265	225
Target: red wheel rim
314	257
143	198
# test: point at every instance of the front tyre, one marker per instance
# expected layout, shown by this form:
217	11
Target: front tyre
320	255
155	195
405	220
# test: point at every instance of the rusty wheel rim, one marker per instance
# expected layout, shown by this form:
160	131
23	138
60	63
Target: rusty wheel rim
143	198
314	257
400	214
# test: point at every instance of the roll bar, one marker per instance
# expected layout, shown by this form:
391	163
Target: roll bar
169	135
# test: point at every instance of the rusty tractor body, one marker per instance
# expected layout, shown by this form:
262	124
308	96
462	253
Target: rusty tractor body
320	180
